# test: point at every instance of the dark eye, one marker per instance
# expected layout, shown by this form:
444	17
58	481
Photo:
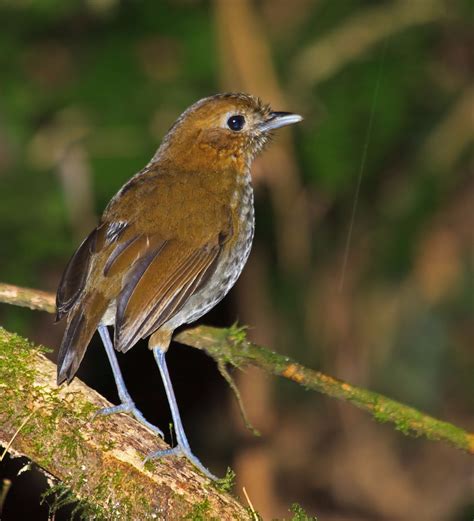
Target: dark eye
236	123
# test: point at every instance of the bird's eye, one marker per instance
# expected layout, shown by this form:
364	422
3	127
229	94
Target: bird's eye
236	122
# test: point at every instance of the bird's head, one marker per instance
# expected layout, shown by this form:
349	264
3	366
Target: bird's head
226	126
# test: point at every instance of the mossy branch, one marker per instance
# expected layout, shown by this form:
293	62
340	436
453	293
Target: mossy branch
232	347
100	461
59	436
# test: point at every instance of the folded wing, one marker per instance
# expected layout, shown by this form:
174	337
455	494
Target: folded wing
149	278
158	287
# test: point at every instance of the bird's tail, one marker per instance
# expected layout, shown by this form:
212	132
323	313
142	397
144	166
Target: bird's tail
82	321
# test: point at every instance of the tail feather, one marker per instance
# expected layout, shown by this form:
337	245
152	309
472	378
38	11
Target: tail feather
83	320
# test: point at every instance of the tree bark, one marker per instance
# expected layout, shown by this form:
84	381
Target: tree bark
100	460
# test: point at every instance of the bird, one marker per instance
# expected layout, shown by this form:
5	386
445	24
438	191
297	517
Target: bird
169	245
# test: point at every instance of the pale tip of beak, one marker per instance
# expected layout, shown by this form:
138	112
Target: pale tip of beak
278	120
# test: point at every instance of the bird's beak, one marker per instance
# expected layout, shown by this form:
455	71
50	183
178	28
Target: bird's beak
279	119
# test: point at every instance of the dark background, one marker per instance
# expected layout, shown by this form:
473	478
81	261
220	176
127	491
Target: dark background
362	263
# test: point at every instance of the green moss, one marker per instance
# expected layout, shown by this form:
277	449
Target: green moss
39	432
299	514
414	423
200	512
15	362
149	465
60	495
253	515
111	507
237	334
226	484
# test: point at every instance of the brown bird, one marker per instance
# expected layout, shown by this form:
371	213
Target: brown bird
170	244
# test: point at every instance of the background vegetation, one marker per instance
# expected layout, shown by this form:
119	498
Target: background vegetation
362	264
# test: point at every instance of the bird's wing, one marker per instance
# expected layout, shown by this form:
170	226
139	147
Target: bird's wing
158	286
80	303
150	279
74	277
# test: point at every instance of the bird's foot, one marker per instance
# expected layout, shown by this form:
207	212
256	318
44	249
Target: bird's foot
131	408
179	450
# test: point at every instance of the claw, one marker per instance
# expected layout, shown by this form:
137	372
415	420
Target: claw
105	411
181	451
132	409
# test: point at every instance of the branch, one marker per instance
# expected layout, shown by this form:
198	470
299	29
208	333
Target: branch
230	346
27	298
101	461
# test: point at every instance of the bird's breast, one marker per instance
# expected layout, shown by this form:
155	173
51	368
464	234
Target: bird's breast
231	261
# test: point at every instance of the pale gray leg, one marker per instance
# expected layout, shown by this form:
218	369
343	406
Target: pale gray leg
182	446
127	404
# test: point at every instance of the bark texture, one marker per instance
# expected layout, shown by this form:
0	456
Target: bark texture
100	460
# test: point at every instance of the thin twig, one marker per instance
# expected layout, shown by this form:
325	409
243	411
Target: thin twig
221	366
237	350
255	516
27	298
15	434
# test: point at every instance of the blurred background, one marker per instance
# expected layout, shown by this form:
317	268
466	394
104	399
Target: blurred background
362	264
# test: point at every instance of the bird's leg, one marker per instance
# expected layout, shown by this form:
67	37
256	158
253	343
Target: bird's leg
127	404
182	446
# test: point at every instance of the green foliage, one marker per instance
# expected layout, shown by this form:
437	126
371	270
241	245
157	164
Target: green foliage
299	514
237	334
226	484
